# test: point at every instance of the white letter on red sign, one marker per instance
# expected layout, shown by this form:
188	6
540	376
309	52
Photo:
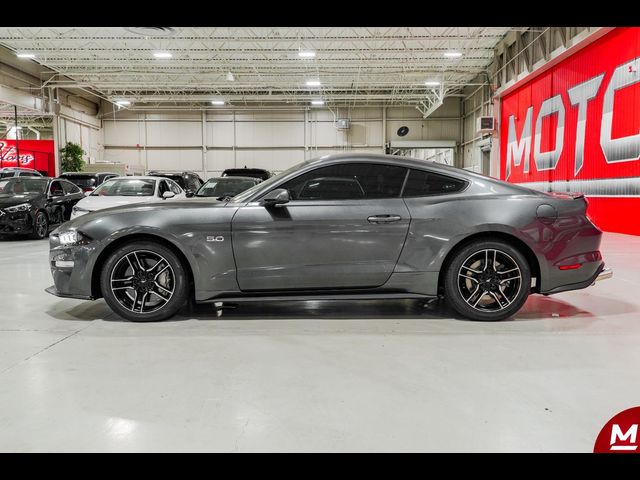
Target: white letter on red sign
580	96
549	160
516	149
623	149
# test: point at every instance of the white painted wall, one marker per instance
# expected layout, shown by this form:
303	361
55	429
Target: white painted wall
271	139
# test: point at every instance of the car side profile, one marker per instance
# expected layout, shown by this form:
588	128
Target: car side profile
404	228
31	205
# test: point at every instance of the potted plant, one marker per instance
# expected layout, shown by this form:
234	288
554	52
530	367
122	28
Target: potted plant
71	157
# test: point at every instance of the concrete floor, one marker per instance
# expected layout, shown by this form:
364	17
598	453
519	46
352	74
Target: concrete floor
361	376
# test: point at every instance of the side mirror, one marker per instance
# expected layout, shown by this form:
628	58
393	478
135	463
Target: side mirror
189	193
279	196
168	194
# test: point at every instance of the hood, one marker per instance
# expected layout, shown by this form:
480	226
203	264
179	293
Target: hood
11	199
148	206
95	202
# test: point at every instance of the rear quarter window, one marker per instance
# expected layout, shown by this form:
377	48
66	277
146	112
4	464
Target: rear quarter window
422	183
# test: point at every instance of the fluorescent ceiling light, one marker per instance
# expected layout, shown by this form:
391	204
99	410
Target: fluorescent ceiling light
306	53
162	54
217	102
452	54
123	103
432	83
317	102
230	77
25	55
313	83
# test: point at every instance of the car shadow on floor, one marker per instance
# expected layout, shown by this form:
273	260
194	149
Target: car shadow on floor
537	307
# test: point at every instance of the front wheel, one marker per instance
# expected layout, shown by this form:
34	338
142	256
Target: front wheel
144	282
40	226
487	280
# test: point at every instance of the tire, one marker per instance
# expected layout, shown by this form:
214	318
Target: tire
499	292
40	226
141	290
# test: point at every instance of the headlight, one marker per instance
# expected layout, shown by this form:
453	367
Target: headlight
23	207
73	237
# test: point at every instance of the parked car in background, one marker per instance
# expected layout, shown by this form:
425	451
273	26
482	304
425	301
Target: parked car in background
247	172
221	187
31	205
190	182
126	190
402	228
18	172
88	181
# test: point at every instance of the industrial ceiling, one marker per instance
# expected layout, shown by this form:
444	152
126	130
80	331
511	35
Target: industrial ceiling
259	66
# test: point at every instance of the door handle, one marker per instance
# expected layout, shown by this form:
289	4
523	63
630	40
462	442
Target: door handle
383	218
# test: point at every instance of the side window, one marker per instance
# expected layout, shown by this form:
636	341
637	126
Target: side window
163	187
422	183
56	189
26	174
70	188
348	181
193	183
175	188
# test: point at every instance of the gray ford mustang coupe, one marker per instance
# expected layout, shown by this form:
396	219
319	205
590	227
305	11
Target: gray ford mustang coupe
348	226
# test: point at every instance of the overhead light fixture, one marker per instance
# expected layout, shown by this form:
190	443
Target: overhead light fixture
317	102
313	83
432	83
162	55
25	55
123	103
306	53
230	77
453	54
217	102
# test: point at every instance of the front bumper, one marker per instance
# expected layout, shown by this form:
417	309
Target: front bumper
54	291
16	223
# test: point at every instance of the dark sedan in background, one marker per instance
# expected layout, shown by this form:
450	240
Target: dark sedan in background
260	173
405	228
222	187
88	181
31	205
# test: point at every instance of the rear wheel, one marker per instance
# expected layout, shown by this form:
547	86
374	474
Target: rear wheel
40	226
487	280
144	282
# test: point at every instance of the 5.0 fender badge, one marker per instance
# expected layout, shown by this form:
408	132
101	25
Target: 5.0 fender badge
215	238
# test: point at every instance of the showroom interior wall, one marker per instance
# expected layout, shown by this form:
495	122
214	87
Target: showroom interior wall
210	140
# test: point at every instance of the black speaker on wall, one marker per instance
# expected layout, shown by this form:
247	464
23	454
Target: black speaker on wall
402	131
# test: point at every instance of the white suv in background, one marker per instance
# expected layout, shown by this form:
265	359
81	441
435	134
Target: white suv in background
128	190
18	172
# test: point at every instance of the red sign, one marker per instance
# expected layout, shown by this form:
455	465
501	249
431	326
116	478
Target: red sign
620	434
576	127
36	154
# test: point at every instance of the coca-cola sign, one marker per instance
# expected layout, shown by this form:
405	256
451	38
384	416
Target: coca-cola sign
576	127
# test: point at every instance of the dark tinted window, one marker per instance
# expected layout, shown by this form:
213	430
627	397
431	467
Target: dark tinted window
422	183
56	188
163	187
28	174
348	181
192	182
70	188
83	181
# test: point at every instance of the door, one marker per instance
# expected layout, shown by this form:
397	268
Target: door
344	227
56	202
73	195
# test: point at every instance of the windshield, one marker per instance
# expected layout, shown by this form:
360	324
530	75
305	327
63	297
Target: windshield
126	187
19	186
242	197
222	187
81	180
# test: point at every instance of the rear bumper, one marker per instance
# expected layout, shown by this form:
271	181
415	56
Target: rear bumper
601	274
